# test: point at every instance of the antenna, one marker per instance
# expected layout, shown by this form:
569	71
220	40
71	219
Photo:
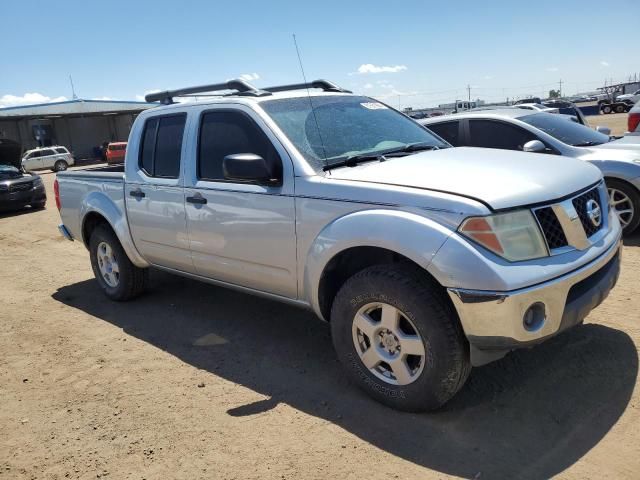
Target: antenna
73	90
304	78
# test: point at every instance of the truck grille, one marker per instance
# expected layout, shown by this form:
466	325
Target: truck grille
551	228
580	204
560	231
20	187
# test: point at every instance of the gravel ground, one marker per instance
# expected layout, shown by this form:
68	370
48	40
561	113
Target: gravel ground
193	381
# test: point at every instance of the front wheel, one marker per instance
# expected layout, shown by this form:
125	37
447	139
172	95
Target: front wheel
625	200
399	338
118	278
606	109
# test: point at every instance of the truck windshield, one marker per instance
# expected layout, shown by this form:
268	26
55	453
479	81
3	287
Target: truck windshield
565	130
347	126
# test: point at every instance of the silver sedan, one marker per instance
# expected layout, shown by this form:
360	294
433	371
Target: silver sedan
516	129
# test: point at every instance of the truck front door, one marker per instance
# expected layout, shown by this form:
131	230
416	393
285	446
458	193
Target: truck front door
241	233
155	195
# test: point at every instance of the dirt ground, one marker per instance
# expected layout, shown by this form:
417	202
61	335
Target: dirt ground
617	122
193	381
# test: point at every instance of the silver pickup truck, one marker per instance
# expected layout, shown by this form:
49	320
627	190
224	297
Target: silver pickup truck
425	259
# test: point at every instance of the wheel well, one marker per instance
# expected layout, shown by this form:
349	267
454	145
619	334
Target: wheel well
91	221
349	262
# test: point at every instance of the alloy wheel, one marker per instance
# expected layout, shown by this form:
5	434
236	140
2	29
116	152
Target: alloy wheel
622	205
388	343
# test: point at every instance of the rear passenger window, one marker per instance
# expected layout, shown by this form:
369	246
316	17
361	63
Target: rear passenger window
61	150
46	153
162	145
492	134
225	133
447	130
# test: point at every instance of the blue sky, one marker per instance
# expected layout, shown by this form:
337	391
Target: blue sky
431	49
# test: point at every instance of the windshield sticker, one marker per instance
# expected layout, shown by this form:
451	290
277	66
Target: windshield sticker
374	106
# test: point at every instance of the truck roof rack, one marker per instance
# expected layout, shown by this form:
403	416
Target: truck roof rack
240	87
325	85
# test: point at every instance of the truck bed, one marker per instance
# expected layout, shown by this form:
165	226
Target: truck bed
78	188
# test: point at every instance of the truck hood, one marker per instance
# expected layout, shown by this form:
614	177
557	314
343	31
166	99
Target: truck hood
498	178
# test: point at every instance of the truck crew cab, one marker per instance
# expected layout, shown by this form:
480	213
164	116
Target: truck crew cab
425	259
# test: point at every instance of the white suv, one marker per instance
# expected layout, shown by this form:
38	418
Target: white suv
55	158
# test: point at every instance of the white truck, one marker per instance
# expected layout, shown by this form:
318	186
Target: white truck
425	259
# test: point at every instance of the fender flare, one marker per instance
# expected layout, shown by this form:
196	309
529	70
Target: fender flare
411	235
98	202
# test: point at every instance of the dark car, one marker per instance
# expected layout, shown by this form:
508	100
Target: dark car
17	187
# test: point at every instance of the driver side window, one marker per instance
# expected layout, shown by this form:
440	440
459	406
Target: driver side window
225	133
494	134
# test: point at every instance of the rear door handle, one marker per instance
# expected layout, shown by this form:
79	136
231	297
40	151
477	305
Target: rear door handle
137	193
197	200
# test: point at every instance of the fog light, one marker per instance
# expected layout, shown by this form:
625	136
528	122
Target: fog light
534	317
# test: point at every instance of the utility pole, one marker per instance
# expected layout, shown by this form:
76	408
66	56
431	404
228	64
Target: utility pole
73	90
560	87
469	92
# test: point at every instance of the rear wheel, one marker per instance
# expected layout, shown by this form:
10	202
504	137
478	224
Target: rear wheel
620	108
118	278
625	200
60	166
399	338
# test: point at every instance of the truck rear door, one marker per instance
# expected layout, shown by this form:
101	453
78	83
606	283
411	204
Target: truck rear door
154	192
241	233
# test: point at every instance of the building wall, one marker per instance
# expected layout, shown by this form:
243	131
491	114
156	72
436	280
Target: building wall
82	135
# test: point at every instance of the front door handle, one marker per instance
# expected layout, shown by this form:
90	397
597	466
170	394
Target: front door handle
197	200
137	193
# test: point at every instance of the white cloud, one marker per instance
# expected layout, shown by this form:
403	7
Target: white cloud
368	86
552	69
27	99
604	63
102	98
488	77
140	98
370	68
249	76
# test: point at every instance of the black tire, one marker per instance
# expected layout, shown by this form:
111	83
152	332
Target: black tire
634	196
60	166
620	108
132	280
606	109
38	206
446	363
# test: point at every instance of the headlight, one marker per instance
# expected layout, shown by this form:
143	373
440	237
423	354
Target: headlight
4	187
514	235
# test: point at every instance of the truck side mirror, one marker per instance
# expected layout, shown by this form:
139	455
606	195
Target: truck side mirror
604	130
249	167
534	146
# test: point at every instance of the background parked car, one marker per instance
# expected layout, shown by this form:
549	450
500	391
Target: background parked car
631	97
17	187
115	152
515	129
56	158
633	124
538	107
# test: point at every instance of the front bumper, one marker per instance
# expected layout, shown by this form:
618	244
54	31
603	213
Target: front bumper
494	321
16	200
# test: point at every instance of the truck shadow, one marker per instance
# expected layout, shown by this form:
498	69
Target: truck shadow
529	415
